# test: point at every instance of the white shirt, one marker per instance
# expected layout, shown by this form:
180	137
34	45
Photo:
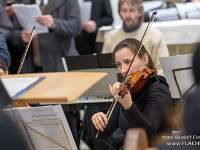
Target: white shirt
38	2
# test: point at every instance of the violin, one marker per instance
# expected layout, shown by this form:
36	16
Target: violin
13	105
133	83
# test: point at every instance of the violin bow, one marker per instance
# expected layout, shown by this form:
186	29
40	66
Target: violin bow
140	44
26	50
110	110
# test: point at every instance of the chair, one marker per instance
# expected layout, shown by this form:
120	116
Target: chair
136	139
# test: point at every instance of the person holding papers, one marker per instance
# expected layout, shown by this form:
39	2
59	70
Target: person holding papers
132	15
101	15
148	108
62	18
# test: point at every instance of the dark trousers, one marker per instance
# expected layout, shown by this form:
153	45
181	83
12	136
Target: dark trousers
112	143
73	118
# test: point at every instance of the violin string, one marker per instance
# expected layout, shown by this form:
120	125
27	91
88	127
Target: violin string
25	52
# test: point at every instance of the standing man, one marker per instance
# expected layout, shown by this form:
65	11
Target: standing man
62	17
101	15
132	13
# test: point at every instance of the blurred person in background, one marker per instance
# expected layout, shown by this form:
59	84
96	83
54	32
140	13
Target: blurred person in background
101	15
62	17
132	14
5	23
4	53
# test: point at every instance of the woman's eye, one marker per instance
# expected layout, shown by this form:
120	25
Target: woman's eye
118	65
128	62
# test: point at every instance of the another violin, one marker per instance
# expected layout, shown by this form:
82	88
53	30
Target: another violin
12	105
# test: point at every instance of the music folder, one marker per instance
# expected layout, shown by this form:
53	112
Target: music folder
26	83
44	128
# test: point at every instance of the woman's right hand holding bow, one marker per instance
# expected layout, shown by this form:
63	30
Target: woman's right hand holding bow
100	121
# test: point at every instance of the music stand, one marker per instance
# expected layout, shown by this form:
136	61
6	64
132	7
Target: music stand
105	60
80	62
179	75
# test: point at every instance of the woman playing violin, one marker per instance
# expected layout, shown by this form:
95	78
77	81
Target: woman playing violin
149	108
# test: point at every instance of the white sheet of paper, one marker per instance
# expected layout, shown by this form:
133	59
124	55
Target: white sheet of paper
51	122
189	10
26	14
149	5
85	10
184	78
165	14
16	85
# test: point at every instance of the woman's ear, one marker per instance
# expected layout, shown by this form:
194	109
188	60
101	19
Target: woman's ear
146	58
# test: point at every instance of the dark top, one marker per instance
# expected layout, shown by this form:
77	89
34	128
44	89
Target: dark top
4	53
191	123
195	64
5	23
11	137
102	15
150	110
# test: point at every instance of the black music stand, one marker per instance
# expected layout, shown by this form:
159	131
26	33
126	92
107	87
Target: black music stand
88	62
105	60
80	62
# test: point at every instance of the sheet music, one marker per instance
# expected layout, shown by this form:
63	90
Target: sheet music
26	14
85	11
9	113
49	121
165	14
151	5
16	85
189	10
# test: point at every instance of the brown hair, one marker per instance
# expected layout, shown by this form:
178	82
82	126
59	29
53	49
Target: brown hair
137	3
3	65
132	44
